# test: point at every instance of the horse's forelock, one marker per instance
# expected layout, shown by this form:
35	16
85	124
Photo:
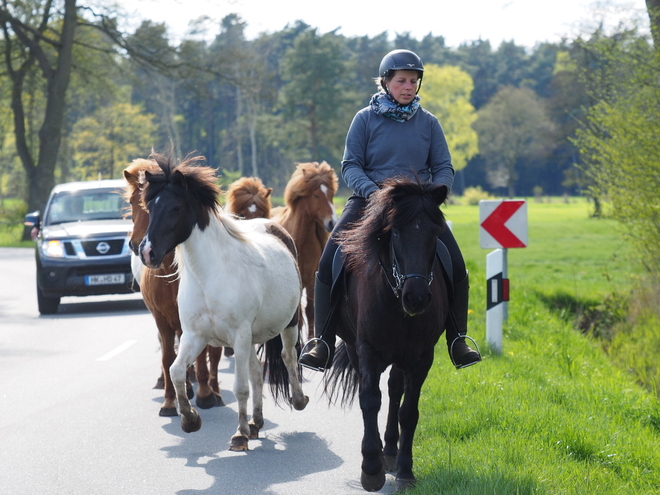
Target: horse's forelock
307	178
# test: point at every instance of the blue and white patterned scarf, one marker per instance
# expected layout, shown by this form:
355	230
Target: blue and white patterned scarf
383	104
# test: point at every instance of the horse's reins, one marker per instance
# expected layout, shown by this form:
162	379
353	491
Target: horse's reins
400	278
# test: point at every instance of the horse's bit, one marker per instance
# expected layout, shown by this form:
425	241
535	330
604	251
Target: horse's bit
400	278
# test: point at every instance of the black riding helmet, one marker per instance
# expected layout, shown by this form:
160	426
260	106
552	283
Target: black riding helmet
400	60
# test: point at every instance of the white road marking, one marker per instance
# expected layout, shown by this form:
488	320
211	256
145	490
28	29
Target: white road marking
117	350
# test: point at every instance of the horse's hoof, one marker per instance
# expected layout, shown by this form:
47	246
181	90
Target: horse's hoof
239	443
212	400
403	485
167	412
373	483
254	431
229	351
191	422
389	461
301	404
160	384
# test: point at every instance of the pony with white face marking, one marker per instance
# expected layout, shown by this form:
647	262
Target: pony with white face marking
309	216
239	286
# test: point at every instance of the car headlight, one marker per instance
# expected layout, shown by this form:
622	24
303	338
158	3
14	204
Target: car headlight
53	249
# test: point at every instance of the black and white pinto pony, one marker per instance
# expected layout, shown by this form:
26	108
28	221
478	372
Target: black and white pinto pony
393	313
239	286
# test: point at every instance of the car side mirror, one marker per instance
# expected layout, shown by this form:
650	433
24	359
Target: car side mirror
33	219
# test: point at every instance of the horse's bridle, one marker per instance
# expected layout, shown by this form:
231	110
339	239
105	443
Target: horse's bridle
400	278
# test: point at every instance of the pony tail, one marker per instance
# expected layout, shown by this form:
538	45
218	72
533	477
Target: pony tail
275	372
341	382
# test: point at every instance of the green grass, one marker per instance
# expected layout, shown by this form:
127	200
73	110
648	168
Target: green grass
552	414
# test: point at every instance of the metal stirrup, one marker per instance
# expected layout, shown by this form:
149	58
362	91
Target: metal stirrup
451	352
315	340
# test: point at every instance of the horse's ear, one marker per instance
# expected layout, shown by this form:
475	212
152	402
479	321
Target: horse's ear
148	175
129	177
179	178
268	191
440	194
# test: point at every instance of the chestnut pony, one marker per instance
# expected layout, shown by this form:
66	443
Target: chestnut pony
159	289
248	198
309	216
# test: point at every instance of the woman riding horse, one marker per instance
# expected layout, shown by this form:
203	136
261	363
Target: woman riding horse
393	136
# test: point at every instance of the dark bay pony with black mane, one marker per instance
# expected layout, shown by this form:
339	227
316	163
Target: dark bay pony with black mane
239	287
159	288
394	312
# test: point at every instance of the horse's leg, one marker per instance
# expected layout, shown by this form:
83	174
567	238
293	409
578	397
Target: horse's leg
257	383
373	473
166	336
395	391
215	353
290	358
309	308
190	346
243	349
206	397
408	418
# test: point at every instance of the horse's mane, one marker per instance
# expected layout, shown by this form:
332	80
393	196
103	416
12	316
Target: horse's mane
134	175
195	182
398	202
247	191
308	177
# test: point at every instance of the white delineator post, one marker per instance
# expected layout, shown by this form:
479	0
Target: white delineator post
503	225
497	297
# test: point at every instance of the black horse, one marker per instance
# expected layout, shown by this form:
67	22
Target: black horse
393	311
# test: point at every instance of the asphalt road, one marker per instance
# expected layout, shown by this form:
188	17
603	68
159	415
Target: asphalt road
79	415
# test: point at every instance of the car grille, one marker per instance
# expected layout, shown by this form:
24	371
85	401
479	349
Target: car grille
108	247
99	248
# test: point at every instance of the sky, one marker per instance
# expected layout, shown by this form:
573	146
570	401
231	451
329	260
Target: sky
526	22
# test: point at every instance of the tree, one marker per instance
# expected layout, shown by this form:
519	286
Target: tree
620	140
105	142
446	93
513	128
38	35
314	100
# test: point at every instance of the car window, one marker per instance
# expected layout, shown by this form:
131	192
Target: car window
76	206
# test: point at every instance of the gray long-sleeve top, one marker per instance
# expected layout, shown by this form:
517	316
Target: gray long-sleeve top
378	148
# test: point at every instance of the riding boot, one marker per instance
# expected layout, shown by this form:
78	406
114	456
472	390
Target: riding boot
460	353
319	358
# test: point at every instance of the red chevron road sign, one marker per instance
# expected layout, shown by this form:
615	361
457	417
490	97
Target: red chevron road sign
503	224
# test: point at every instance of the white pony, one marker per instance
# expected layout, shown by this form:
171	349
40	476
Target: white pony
239	286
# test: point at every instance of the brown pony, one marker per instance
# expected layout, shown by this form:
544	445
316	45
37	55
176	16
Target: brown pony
248	198
309	216
159	289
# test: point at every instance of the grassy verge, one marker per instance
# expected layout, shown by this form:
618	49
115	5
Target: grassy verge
552	414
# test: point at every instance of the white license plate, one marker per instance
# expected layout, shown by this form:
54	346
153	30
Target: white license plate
107	279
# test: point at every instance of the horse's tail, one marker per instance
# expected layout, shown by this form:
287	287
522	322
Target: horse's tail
341	380
275	372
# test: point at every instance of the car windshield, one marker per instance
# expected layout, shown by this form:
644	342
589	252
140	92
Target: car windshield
76	206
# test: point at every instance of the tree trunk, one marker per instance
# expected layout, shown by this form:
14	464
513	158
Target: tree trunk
653	8
41	171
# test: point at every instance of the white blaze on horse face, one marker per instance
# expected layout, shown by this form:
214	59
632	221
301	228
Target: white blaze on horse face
326	191
146	249
252	208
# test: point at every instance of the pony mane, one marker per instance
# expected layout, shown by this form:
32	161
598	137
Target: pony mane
247	191
308	177
398	202
196	183
134	175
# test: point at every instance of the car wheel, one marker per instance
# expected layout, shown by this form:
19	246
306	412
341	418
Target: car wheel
47	305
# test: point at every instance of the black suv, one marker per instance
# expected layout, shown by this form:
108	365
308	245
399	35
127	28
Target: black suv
82	243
